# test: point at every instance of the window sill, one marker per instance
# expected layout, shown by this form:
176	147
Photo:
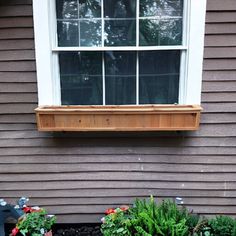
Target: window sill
118	118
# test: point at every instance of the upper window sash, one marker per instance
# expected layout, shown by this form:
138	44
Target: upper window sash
47	60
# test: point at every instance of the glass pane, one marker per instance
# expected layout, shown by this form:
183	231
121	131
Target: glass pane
159	77
67	32
89	8
120	80
67	9
157	32
81	78
120	33
90	33
161	8
119	8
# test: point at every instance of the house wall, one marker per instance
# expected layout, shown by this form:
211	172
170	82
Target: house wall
77	176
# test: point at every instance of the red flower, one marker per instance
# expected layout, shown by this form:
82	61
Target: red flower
14	231
124	208
27	209
110	211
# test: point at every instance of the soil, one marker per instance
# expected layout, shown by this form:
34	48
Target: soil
79	231
69	230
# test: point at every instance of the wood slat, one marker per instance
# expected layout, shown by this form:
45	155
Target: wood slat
220	28
19	87
16	22
220	40
219	64
16	33
15	10
16	44
19	55
18	66
219	76
218	97
221	86
18	98
19	77
219	5
221	17
220	52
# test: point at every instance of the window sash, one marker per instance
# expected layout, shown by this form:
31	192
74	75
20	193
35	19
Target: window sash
44	14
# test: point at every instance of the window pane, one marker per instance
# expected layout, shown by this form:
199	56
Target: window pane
67	9
89	8
161	8
119	8
120	80
159	77
120	33
81	78
90	33
68	33
160	32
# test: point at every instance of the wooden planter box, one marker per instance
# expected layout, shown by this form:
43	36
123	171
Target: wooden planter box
118	118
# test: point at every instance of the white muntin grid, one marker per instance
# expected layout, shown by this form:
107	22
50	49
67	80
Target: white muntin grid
45	24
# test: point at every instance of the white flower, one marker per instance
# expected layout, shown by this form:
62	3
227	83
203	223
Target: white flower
42	231
36	208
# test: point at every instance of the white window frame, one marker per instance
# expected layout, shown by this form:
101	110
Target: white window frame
47	52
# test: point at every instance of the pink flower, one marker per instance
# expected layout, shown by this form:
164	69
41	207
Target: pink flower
14	231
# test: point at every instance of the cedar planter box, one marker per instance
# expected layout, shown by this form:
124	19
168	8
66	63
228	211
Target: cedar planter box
118	118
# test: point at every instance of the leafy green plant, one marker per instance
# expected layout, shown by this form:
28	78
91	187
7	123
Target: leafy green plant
35	222
166	218
117	222
223	226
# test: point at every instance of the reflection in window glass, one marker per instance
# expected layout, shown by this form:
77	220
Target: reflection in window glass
120	76
160	32
161	8
120	33
81	78
90	33
120	9
67	9
90	9
159	77
68	33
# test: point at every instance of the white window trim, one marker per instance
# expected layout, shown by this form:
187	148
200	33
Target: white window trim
47	64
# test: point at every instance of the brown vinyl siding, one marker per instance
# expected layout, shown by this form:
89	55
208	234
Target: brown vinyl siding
77	176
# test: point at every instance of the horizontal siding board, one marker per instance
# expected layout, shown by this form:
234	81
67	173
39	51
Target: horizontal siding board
15	2
18	66
122	150
16	33
219	107
220	40
219	118
218	97
16	119
220	52
16	44
19	22
181	141
15	10
220	28
121	192
219	5
12	98
18	55
107	167
61	159
24	108
19	77
221	17
18	87
50	185
217	76
118	176
221	86
219	64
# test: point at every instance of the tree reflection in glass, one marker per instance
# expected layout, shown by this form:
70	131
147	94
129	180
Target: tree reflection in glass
90	8
161	8
67	9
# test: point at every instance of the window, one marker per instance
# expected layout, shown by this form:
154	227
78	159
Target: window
119	52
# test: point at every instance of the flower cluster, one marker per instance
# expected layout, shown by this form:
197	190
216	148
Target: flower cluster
111	211
34	221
